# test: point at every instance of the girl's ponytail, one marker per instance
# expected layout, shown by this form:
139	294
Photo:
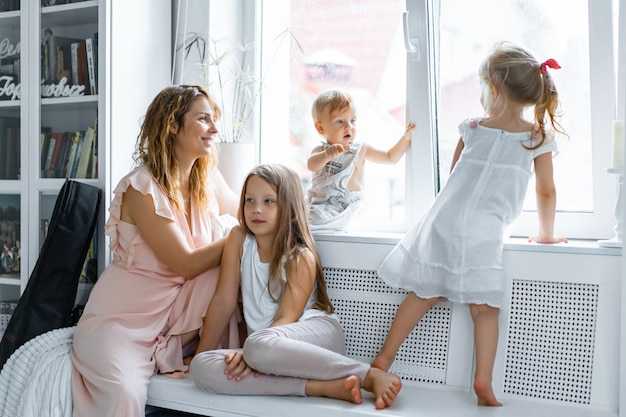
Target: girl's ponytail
547	106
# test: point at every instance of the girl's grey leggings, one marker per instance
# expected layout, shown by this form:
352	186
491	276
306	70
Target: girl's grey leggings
287	356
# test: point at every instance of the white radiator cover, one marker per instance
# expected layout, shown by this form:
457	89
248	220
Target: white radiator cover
559	325
366	306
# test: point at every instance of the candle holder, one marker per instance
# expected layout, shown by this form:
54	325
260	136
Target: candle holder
616	241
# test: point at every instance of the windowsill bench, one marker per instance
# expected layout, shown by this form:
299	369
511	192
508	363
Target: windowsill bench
415	400
553	294
574	246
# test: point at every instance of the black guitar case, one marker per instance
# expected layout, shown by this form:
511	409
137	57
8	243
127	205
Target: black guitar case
51	290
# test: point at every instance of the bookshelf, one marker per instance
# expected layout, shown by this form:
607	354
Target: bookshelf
93	108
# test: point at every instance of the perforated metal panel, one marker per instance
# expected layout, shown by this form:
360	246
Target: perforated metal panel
551	340
366	307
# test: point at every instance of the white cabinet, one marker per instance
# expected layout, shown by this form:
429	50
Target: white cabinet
13	154
42	90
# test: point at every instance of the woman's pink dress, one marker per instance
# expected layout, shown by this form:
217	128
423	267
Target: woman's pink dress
138	308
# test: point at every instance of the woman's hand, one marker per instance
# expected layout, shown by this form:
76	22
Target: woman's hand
237	367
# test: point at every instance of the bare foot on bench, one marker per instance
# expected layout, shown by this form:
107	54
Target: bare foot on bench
383	385
382	362
348	389
485	394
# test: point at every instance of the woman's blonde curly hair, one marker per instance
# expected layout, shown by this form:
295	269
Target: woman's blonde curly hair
155	146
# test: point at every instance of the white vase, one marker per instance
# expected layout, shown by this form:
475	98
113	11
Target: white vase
235	162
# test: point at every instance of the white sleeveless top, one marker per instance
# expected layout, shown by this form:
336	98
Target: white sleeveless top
258	307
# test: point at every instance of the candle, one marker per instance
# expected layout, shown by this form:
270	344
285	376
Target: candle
618	143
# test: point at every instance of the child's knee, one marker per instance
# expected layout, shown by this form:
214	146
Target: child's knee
207	370
258	347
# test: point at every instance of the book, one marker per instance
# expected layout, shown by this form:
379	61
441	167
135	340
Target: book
61	165
44	143
95	56
80	139
86	153
58	143
4	145
45	55
9	148
74	61
52	45
12	152
65	62
91	66
73	140
49	152
79	63
94	162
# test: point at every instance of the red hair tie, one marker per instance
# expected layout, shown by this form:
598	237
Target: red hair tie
549	63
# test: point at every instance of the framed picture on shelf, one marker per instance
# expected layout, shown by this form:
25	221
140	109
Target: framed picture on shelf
9	235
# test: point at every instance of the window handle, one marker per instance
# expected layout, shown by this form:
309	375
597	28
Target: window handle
411	48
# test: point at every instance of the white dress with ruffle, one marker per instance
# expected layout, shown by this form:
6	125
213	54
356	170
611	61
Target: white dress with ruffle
455	249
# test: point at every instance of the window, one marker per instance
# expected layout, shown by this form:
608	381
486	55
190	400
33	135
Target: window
465	33
351	44
428	57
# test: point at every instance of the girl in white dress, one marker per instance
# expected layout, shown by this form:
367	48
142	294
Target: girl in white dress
295	344
455	250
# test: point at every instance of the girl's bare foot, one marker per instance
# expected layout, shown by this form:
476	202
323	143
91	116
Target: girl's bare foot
485	394
383	385
382	362
348	389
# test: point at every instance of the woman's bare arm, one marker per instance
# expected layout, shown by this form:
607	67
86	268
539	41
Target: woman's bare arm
166	239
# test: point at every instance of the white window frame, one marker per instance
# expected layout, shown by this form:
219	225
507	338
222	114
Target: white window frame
419	32
421	172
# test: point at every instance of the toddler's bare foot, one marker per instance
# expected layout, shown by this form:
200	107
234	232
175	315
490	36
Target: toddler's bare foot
348	389
382	362
485	394
383	385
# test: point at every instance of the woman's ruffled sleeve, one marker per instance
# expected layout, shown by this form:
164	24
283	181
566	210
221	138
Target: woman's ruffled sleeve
142	181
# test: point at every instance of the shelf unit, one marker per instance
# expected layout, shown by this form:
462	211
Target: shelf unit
22	50
141	47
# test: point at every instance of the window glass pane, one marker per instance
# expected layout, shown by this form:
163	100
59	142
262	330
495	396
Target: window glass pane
468	30
355	45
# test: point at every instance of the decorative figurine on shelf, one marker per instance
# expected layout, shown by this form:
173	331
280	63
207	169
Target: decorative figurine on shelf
7	260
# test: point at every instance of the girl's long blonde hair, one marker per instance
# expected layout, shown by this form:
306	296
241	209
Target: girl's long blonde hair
155	144
521	78
293	233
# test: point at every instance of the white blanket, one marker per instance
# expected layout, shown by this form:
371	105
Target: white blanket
36	381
